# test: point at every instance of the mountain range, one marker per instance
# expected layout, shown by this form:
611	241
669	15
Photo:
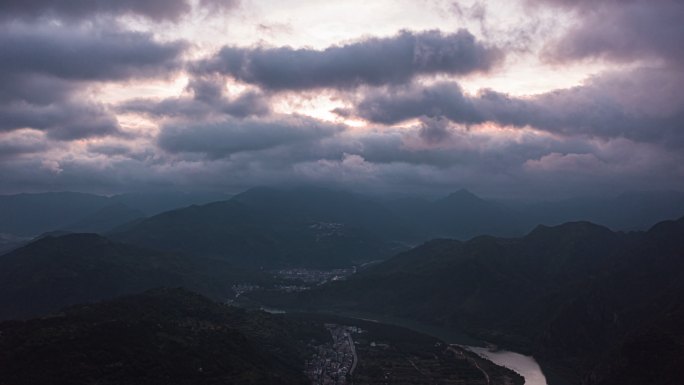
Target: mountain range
30	215
593	305
272	228
307	226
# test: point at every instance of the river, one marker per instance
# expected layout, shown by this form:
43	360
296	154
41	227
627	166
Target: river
526	366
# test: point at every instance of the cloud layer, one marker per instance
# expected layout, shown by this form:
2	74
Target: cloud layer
44	69
113	96
158	10
374	61
641	105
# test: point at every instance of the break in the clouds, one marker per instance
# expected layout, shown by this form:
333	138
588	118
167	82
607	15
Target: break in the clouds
507	98
373	61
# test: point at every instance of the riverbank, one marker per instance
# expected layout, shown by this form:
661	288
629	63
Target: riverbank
522	364
396	354
526	366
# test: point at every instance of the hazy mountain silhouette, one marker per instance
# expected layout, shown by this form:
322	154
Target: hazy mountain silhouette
626	211
33	214
106	218
317	204
409	220
273	228
460	215
155	203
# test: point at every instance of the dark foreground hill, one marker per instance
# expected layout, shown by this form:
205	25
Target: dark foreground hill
594	306
57	271
162	337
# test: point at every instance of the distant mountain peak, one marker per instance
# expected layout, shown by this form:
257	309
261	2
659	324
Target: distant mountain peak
462	196
463	193
578	228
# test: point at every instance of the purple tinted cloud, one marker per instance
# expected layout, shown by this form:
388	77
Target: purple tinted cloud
232	136
44	69
207	101
374	61
642	105
621	30
84	54
157	10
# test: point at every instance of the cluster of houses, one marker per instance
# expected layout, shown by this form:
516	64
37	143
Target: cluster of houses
334	363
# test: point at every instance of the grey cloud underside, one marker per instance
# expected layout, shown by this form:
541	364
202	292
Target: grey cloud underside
21	144
61	120
232	136
229	155
84	54
45	69
284	143
373	61
245	105
643	105
157	10
207	100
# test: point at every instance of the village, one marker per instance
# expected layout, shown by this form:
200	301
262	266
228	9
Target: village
334	363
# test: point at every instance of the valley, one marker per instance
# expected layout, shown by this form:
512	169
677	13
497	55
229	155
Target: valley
580	298
307	192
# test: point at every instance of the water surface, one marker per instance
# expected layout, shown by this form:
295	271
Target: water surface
526	366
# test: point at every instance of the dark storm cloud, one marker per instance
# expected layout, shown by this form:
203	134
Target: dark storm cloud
374	61
434	144
21	143
642	105
398	160
84	54
245	105
396	104
60	120
207	100
44	70
157	10
435	131
231	136
622	30
34	88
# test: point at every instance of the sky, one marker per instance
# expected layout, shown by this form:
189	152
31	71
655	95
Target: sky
509	99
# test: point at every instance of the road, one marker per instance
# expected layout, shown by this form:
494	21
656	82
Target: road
353	349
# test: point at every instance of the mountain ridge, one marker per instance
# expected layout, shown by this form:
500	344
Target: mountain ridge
573	295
